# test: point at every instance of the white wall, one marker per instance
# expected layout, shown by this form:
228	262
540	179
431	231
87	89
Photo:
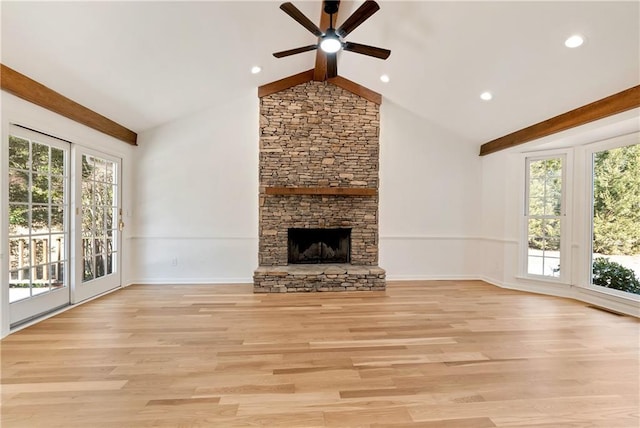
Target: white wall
18	111
430	196
197	198
501	180
196	208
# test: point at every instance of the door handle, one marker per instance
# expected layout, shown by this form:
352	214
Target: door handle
120	222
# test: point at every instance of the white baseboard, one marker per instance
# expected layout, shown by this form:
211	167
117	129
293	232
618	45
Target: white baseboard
432	277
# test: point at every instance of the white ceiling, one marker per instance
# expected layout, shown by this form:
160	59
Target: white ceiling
146	63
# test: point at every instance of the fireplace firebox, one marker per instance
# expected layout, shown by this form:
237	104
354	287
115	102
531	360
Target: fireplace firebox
319	245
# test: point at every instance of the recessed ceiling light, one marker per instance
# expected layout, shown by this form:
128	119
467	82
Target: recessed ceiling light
255	69
574	41
385	78
486	96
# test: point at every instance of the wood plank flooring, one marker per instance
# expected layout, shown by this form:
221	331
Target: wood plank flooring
443	354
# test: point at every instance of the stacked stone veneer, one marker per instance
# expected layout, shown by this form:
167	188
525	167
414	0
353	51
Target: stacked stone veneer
318	135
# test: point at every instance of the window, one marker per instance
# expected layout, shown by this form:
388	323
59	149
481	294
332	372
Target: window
615	220
581	222
544	215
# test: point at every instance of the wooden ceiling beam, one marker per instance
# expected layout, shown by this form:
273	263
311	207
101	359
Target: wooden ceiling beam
320	70
286	83
609	106
356	88
28	89
307	76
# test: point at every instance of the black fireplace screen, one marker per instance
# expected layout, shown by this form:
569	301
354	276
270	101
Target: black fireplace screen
319	245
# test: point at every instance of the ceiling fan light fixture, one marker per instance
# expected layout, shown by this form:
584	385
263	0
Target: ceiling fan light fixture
330	42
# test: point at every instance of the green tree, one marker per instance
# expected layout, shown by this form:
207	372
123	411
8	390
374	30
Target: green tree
545	199
35	175
616	201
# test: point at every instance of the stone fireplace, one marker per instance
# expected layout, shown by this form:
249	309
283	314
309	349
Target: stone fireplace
318	200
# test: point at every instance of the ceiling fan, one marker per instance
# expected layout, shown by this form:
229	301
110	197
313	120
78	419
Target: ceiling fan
332	41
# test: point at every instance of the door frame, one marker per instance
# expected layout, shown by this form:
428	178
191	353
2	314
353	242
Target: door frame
82	291
25	310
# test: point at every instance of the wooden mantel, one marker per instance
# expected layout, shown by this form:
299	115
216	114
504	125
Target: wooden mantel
321	191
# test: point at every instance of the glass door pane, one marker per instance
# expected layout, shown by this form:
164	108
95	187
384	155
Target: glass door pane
99	216
616	219
38	227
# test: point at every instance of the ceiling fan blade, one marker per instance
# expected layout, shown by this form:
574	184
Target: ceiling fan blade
367	9
282	54
295	13
332	65
366	50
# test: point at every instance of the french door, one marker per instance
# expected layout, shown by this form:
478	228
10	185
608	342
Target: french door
97	223
63	226
38	224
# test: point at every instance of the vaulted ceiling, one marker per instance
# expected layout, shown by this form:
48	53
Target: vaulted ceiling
143	64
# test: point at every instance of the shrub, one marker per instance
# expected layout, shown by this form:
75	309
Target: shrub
613	275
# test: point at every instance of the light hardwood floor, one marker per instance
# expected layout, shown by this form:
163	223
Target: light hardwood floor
440	354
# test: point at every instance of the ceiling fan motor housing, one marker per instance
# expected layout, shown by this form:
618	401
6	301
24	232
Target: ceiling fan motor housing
331	7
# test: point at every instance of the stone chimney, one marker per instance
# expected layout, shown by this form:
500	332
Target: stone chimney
319	157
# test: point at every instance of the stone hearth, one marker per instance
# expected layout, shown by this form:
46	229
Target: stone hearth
318	277
317	135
